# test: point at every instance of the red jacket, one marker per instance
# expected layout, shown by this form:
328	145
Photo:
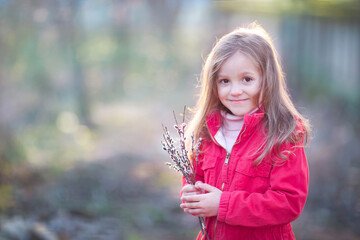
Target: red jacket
257	202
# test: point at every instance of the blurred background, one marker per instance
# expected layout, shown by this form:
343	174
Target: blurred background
86	84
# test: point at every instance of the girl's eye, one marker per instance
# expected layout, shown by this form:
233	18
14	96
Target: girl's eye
247	79
224	81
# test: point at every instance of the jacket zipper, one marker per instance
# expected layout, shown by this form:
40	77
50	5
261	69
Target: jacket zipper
226	162
227	157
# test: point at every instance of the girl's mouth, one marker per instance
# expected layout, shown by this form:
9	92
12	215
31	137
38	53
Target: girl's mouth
238	100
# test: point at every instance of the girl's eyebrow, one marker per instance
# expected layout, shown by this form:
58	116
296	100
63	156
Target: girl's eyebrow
242	73
248	73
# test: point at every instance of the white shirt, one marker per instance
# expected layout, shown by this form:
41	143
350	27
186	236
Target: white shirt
230	129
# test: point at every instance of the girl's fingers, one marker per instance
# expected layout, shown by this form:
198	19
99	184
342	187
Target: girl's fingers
191	198
198	183
189	189
192	193
189	193
190	205
195	212
197	186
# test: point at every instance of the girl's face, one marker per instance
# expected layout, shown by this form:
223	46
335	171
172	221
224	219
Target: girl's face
238	84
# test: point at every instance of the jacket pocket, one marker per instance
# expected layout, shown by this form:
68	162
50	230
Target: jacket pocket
247	168
208	167
252	178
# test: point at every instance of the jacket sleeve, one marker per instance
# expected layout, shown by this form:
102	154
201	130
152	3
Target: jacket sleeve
280	204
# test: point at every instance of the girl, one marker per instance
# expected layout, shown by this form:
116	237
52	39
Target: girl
252	177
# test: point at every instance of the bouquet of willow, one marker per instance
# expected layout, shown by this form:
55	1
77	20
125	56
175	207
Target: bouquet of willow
180	157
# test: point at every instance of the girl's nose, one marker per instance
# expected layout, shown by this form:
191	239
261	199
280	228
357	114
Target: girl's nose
236	89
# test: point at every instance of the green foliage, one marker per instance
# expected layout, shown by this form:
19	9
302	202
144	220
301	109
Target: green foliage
6	197
134	236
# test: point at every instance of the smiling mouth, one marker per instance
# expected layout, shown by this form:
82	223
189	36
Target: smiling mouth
238	100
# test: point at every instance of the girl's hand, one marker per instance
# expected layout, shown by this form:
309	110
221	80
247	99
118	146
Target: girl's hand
204	204
189	189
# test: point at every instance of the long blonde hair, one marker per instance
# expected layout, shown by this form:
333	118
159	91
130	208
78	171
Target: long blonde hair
281	119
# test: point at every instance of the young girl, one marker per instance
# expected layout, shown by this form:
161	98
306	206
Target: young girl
252	173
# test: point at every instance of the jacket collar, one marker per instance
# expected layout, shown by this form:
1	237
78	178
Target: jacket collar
214	120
